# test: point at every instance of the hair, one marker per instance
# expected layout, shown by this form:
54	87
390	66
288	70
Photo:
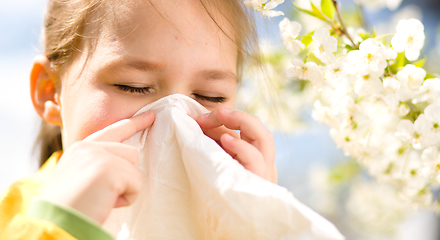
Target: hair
71	25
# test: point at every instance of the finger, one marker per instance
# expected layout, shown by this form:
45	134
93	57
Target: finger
252	131
126	200
124	129
129	153
233	119
216	133
128	185
246	154
208	120
251	127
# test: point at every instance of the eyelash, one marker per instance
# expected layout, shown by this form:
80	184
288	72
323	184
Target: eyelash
145	90
210	99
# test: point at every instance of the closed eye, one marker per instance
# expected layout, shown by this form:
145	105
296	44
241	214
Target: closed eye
210	99
146	90
142	90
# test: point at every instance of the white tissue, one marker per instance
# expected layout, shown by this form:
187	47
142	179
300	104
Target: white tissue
193	189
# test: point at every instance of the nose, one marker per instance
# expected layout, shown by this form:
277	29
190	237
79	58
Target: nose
174	88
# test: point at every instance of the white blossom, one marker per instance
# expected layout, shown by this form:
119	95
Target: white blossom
335	72
324	45
402	110
289	32
265	8
432	113
416	196
411	76
371	57
389	122
430	154
306	71
324	114
418	134
391	84
431	161
347	140
368	84
343	88
410	38
429	91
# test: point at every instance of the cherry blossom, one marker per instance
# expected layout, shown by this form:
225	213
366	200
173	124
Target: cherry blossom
432	113
429	91
324	45
346	139
410	38
380	109
391	84
419	134
289	32
431	161
324	114
336	71
411	76
368	84
265	8
306	71
371	57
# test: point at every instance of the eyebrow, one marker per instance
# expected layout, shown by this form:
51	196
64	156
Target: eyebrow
216	74
122	66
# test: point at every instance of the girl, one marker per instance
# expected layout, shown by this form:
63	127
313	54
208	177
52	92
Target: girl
104	60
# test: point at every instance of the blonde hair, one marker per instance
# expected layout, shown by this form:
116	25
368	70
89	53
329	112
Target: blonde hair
71	24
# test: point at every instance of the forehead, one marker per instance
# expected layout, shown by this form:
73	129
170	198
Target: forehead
180	13
155	24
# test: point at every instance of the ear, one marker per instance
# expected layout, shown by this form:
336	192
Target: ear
44	91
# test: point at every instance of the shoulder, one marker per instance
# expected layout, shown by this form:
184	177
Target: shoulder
15	199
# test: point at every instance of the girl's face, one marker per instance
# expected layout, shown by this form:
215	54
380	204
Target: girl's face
148	52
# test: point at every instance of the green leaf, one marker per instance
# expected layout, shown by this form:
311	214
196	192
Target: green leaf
328	8
274	58
313	13
349	47
365	36
420	63
429	76
312	58
303	10
373	33
344	172
307	40
318	13
400	61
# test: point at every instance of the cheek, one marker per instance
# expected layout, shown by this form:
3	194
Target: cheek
88	112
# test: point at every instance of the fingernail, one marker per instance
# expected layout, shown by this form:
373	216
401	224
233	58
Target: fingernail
228	137
227	110
206	115
147	114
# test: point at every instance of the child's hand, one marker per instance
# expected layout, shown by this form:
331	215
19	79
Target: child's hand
100	173
254	148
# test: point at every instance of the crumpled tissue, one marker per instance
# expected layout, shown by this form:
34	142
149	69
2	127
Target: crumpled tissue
193	189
